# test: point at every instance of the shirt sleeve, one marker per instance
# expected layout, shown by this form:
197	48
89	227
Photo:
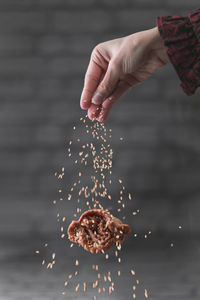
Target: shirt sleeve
181	36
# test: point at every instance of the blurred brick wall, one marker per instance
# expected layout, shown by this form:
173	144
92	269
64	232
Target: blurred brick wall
44	51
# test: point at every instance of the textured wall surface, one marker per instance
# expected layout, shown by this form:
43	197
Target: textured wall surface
45	47
44	51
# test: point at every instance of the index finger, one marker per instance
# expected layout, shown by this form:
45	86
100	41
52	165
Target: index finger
91	82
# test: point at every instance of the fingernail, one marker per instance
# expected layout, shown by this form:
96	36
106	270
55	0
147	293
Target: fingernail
97	98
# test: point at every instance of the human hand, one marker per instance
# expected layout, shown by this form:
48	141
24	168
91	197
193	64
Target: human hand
116	66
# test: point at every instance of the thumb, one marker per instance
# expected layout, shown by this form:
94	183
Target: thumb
107	85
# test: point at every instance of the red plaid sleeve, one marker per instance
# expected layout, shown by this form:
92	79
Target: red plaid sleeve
181	35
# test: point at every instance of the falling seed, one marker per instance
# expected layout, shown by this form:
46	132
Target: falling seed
133	272
146	293
172	245
77	287
37	252
84	286
76	263
53	255
49	265
119	246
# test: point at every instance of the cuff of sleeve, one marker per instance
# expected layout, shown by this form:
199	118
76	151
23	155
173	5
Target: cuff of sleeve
182	43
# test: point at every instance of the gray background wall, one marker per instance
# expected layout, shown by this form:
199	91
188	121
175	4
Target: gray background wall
45	47
44	51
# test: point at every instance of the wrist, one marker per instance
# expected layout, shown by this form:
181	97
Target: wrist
156	40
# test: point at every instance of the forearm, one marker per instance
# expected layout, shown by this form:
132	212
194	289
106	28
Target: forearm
181	35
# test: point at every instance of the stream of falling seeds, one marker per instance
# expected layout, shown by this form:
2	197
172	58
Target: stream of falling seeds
94	159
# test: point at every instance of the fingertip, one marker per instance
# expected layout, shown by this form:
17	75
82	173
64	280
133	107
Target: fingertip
93	111
91	116
105	110
85	100
102	119
85	104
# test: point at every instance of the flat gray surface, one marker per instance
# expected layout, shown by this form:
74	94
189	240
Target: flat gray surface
167	273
